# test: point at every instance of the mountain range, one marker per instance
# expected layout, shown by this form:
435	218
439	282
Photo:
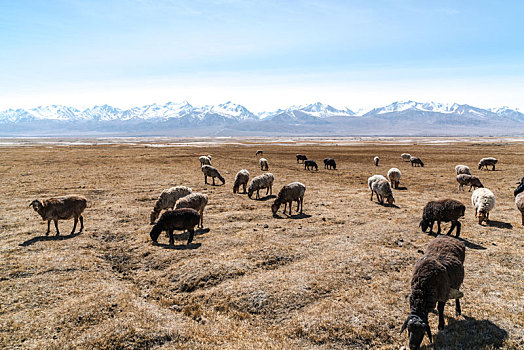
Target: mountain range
407	118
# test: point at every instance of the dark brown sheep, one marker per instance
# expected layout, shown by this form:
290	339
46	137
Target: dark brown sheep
178	219
288	194
301	157
308	164
437	277
445	210
329	163
416	161
61	208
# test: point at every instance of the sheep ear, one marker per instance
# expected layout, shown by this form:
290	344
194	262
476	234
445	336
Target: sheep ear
428	330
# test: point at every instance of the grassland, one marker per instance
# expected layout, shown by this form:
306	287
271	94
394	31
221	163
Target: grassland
334	278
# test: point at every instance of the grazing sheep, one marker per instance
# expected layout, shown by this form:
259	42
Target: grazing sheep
329	163
301	157
406	157
484	162
310	164
415	160
259	153
520	187
208	170
375	160
167	200
472	181
437	277
519	202
373	179
242	178
462	169
205	160
394	177
445	210
259	182
289	193
195	200
179	219
61	208
264	166
382	189
484	201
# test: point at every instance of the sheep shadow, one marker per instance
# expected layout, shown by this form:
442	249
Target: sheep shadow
469	333
292	216
48	238
266	198
401	188
467	243
189	246
499	224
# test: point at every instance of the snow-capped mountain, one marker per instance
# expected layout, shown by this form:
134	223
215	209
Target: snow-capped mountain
227	119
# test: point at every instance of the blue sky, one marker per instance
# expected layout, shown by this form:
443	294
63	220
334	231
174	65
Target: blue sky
262	54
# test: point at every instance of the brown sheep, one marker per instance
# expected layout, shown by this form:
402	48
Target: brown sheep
61	208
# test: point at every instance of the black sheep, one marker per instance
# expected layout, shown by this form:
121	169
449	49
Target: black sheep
437	277
310	164
329	163
442	210
520	187
414	161
301	157
178	219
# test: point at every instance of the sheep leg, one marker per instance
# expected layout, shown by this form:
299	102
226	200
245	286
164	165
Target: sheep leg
371	199
453	224
440	308
213	181
244	188
81	224
202	218
56	226
49	226
458	310
438	227
458	225
267	191
290	207
258	195
74	225
475	212
522	214
301	204
298	204
493	167
271	190
285	207
205	179
431	226
171	237
191	235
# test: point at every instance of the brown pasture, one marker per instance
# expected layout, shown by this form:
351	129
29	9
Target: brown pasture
335	278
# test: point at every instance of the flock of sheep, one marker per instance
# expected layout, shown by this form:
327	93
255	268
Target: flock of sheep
437	276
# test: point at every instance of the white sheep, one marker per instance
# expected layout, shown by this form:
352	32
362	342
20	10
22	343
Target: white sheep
205	160
519	202
484	201
484	162
259	182
195	200
462	169
372	179
394	177
376	160
382	189
167	200
242	178
406	157
264	166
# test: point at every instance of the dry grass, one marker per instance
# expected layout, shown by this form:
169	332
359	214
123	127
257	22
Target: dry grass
336	278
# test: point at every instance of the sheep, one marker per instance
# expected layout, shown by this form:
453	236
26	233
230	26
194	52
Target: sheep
195	200
394	177
519	188
415	160
519	202
462	169
205	160
264	166
472	181
208	170
241	178
179	219
484	201
167	200
406	157
259	182
437	277
289	193
259	153
329	163
310	164
375	160
445	210
301	157
371	180
61	208
382	189
484	162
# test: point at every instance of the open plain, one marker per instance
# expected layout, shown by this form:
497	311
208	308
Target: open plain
336	277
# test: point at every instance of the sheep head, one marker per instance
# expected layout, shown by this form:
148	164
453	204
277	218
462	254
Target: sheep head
250	192
275	206
424	225
482	216
36	204
416	330
390	199
155	232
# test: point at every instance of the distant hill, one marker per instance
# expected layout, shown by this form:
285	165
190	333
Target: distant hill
230	119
